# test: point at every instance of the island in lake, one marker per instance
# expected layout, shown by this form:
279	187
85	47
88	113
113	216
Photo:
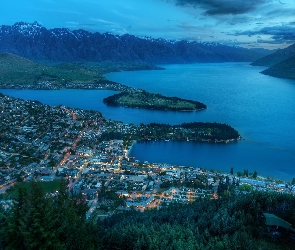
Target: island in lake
146	100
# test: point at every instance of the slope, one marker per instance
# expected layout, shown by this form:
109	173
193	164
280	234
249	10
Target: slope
276	57
284	69
19	72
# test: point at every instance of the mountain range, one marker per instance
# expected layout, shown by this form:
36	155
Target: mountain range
284	69
276	57
35	42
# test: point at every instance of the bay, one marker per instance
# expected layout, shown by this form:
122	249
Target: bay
260	107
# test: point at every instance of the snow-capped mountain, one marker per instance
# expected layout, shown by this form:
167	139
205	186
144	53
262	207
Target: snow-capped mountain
33	41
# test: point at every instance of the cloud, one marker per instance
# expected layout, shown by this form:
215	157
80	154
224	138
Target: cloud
269	41
278	34
223	7
105	22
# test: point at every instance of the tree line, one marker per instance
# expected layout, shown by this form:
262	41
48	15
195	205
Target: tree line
194	131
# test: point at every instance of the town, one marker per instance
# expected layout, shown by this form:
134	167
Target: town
45	143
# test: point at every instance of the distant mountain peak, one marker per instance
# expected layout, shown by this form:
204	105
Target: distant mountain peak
28	29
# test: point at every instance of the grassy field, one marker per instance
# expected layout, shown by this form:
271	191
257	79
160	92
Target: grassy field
48	187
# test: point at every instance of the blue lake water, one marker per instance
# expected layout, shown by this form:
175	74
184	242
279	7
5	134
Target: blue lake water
260	107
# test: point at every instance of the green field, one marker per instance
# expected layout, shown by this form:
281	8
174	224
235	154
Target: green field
48	187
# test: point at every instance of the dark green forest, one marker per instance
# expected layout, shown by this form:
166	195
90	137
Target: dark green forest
231	222
194	131
40	221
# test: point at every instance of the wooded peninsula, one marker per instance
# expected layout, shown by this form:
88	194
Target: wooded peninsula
146	100
194	131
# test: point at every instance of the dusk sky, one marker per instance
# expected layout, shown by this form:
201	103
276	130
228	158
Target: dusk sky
247	23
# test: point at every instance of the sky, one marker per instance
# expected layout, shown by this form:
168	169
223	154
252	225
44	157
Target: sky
247	23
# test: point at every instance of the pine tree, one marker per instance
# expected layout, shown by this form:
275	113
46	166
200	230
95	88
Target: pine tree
231	170
14	237
40	221
255	174
37	220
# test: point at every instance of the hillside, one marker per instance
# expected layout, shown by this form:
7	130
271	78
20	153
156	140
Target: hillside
16	69
284	69
233	222
33	41
276	57
230	222
19	72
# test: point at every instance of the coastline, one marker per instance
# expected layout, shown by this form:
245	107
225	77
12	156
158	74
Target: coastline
128	151
248	180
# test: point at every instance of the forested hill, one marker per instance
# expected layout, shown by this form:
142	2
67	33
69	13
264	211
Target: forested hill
284	69
281	63
234	222
33	41
276	57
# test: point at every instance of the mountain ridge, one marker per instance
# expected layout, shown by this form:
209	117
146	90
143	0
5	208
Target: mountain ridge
35	42
276	57
284	69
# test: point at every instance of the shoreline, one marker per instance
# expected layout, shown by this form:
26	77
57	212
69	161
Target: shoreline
130	149
285	178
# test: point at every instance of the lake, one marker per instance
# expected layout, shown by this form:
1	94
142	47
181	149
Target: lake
258	106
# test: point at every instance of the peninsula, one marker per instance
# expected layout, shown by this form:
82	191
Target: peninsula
146	100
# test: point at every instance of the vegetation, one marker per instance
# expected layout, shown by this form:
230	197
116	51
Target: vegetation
194	131
39	221
144	99
18	72
48	187
284	69
275	58
246	187
232	222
